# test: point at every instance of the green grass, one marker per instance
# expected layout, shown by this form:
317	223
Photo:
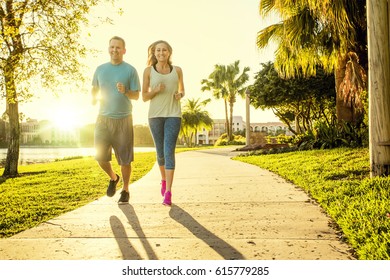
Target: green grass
339	180
44	191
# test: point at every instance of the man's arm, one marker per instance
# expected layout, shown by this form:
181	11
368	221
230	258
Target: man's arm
132	94
94	92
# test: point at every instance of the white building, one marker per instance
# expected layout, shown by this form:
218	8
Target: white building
51	134
29	131
44	132
209	137
271	128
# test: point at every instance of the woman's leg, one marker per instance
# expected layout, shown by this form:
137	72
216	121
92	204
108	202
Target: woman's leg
171	133
156	126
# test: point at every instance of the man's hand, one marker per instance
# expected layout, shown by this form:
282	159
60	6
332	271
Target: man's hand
121	88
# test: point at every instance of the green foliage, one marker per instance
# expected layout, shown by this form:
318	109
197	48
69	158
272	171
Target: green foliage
223	140
339	181
283	139
313	33
194	118
41	39
44	191
327	136
40	48
307	106
142	136
298	102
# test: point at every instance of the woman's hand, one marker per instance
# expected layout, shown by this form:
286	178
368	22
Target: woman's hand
178	95
159	88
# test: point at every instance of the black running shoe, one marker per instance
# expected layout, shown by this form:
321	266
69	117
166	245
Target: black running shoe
112	186
125	196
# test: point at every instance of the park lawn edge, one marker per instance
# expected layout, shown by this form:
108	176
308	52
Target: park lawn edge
340	182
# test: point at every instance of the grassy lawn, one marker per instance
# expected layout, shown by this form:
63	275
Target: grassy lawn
44	191
339	181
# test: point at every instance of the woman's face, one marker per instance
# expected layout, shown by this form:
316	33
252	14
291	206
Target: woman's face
162	52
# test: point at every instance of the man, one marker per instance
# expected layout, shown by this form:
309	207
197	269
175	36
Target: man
118	84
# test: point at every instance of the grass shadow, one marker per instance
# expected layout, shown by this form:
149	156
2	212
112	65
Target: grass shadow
21	174
220	246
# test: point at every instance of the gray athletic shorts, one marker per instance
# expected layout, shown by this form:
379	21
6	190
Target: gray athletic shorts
114	134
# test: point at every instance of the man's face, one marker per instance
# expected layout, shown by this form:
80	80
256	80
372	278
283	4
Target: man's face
116	50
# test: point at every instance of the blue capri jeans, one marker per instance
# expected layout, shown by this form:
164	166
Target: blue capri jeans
165	132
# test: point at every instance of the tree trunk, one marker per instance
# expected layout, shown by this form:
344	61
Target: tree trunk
344	111
227	126
378	22
12	160
231	105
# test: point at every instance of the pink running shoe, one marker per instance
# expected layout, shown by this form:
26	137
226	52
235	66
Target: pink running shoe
167	199
163	187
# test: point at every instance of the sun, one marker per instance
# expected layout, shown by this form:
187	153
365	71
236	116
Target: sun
65	119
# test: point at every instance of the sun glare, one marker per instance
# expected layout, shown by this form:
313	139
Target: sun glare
65	120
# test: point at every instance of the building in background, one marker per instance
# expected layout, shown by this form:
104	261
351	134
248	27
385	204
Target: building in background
54	135
209	137
34	132
29	132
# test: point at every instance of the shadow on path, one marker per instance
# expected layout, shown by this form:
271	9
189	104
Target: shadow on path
224	249
128	251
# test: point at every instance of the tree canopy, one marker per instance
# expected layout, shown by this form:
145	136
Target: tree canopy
332	34
40	47
194	118
301	101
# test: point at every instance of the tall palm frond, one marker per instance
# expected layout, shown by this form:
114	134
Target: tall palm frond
315	33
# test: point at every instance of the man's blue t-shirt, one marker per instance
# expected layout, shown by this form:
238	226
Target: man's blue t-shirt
114	104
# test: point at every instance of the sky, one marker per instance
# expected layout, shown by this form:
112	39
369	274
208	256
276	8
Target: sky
202	33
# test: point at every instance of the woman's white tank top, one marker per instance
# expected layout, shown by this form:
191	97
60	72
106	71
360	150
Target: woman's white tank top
164	103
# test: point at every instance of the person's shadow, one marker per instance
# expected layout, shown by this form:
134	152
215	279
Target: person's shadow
220	246
224	249
128	251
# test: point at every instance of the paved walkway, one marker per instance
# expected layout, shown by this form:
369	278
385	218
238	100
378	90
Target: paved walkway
223	209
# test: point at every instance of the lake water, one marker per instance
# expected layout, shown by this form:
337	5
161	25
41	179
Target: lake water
38	155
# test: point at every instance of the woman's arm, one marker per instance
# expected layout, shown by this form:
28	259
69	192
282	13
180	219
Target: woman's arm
147	92
181	90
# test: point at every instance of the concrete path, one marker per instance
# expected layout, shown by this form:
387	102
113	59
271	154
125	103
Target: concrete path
222	209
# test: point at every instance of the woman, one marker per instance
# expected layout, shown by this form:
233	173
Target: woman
163	86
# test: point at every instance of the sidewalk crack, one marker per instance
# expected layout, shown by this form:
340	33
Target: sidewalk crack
60	226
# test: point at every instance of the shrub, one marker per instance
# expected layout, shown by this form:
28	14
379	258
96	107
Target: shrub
223	140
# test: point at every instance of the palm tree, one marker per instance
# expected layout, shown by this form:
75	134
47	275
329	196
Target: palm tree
328	33
194	118
227	82
214	83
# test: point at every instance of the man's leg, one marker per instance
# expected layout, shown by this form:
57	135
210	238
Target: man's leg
126	172
107	168
114	178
